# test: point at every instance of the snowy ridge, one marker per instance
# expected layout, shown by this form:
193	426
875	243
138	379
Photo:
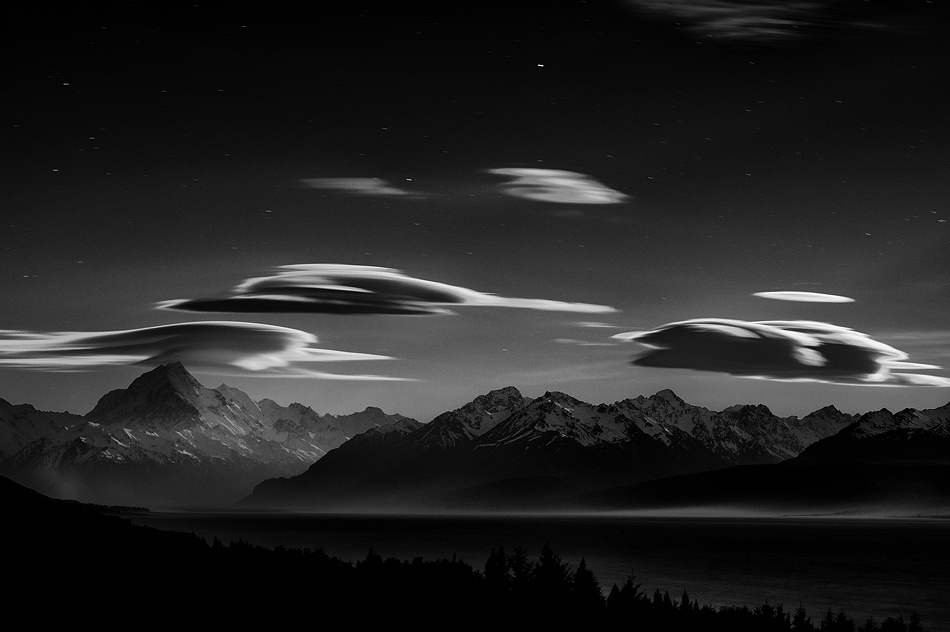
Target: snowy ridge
737	435
882	436
505	450
470	421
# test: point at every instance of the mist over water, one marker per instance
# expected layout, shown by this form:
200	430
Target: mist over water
866	567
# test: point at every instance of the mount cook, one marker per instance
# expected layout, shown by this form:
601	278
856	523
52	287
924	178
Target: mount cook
167	440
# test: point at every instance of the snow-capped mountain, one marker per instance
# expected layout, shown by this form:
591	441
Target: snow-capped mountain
881	464
882	436
736	435
739	434
22	424
471	421
547	449
168	439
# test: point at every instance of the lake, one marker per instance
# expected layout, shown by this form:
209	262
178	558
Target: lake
866	567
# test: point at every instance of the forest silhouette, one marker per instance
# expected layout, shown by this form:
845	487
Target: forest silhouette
70	562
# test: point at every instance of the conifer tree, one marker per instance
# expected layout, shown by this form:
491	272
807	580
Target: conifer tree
586	589
802	622
552	576
522	571
914	624
497	567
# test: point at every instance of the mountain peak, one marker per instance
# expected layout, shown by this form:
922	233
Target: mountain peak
175	374
669	396
558	397
472	420
168	389
500	397
504	393
748	409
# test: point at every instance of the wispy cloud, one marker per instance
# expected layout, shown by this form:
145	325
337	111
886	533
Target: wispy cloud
761	22
554	185
355	289
804	297
357	186
244	348
779	350
583	343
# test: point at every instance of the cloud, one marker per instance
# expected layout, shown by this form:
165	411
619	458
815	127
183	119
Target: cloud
354	289
805	297
358	186
779	350
244	348
552	185
761	22
596	324
583	343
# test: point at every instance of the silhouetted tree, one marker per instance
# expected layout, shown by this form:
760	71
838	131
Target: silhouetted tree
827	622
586	590
914	624
836	623
522	572
843	623
894	625
613	597
552	577
627	601
802	622
497	568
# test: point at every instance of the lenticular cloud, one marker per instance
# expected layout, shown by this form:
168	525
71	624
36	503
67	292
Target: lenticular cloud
779	350
553	185
761	22
804	297
358	186
355	289
258	349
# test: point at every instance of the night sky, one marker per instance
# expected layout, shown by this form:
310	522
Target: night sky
408	206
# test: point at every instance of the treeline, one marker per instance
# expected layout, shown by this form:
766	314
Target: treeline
92	567
550	586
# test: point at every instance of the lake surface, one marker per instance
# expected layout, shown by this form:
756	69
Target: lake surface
866	567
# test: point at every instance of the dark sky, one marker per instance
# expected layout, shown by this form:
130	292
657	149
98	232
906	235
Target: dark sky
407	206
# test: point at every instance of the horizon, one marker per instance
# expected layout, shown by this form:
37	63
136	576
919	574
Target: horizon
408	207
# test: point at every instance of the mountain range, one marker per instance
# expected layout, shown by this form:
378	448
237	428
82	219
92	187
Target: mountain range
882	464
168	440
504	451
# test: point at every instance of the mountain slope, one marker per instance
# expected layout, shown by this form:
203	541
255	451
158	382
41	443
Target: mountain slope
909	436
881	464
506	451
166	439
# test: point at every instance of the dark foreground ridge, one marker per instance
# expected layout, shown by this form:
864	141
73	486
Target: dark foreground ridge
82	562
